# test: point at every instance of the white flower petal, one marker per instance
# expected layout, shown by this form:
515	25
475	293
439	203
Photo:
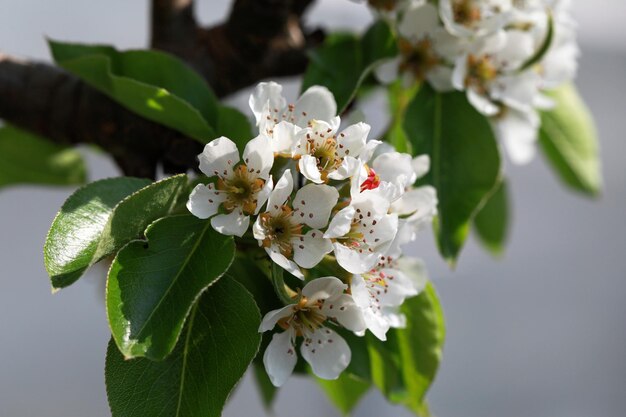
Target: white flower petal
399	288
323	288
372	316
371	311
518	131
351	141
482	103
415	271
265	93
418	21
421	165
258	156
459	73
308	168
345	311
272	317
264	194
281	192
354	261
219	157
310	249
286	264
284	137
370	147
233	224
392	166
327	353
204	202
348	167
420	203
316	103
280	358
340	224
314	204
387	70
393	316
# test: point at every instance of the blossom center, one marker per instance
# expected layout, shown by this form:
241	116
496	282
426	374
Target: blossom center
241	190
280	229
306	318
324	149
466	12
388	5
360	231
418	58
480	71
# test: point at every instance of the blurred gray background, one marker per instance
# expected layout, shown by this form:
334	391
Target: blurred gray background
539	333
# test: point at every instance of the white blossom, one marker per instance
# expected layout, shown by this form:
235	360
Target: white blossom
281	121
381	291
364	230
321	300
325	154
425	49
240	189
473	18
289	232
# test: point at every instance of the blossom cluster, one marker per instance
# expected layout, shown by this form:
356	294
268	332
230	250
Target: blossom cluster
504	54
309	191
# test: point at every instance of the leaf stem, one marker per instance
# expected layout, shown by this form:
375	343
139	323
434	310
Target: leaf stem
284	293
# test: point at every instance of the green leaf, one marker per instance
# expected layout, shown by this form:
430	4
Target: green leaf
399	98
344	392
29	159
220	340
72	241
153	84
492	221
404	366
245	271
153	284
421	345
344	61
100	218
465	160
569	141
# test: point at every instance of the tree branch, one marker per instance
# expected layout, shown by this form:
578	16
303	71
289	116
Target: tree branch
53	103
260	39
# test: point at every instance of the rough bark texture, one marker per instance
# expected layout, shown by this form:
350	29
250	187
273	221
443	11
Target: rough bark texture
260	39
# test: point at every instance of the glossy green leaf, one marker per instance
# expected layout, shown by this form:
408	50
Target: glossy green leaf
404	366
344	392
465	160
29	159
569	141
492	221
153	284
72	241
344	61
421	345
100	218
153	84
219	341
399	98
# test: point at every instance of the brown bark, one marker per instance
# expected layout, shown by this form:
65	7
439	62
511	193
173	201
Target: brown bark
260	39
